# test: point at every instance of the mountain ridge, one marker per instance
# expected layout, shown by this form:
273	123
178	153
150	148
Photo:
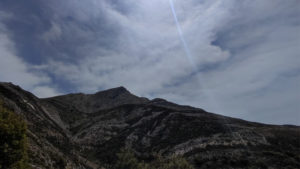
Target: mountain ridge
99	100
88	130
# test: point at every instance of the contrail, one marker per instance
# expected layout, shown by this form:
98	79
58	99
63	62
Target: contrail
191	60
186	48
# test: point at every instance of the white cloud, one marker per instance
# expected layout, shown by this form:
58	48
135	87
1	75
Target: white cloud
246	53
53	33
148	47
261	80
150	61
14	69
45	91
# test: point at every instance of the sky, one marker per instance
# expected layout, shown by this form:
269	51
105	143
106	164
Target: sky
239	58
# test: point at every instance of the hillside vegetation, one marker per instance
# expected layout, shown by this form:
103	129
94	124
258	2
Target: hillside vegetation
13	142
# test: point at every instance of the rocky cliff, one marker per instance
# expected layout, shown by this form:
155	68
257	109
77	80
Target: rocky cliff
87	130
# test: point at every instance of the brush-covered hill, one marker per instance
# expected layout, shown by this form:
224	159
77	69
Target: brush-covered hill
88	130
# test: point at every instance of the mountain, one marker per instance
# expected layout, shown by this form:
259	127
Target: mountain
87	130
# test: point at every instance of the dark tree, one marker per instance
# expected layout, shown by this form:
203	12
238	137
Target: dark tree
13	145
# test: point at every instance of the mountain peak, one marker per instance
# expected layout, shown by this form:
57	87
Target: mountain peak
115	91
106	99
120	88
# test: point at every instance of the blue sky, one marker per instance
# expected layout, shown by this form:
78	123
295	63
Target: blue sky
245	54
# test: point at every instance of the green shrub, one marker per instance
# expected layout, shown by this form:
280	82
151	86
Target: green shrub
13	142
173	162
127	160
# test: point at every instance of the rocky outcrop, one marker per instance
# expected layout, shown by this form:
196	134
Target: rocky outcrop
86	131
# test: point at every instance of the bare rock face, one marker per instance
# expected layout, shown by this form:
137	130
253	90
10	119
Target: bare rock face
87	130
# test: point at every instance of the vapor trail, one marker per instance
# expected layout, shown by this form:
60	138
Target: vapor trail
186	48
191	60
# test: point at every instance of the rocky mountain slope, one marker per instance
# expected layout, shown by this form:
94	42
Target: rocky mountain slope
86	131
